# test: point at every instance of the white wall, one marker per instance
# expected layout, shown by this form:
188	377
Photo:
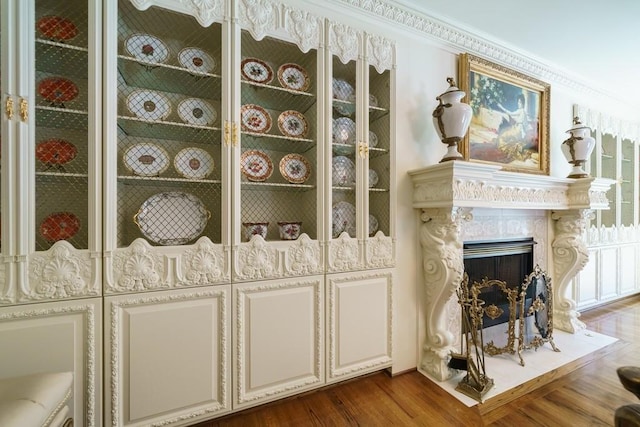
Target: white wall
424	62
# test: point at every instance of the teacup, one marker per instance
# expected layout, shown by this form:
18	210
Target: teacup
289	230
252	228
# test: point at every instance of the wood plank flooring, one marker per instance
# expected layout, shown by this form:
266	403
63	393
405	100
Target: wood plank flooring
586	396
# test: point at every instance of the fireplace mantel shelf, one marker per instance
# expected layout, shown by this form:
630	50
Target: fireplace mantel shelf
468	184
445	196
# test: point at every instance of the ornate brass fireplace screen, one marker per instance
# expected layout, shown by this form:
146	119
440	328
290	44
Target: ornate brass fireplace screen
529	325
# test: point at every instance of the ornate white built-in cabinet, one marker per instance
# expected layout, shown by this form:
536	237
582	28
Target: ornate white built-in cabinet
613	238
50	196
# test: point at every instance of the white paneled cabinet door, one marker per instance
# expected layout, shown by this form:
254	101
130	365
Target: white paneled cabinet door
276	131
167	360
53	337
359	323
278	337
166	178
51	211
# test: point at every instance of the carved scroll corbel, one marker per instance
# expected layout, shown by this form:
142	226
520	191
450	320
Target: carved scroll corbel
443	267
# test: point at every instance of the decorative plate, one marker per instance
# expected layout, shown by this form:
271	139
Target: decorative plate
193	163
373	139
57	90
256	165
55	151
294	77
148	105
147	48
342	90
57	28
343	217
373	225
172	218
255	118
59	226
146	159
344	131
194	59
373	178
295	168
256	70
197	112
343	171
292	123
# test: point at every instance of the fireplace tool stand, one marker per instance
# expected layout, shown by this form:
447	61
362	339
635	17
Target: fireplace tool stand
475	383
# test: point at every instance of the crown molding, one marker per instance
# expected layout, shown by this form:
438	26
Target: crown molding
466	41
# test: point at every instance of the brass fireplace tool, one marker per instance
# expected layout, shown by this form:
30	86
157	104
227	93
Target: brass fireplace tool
475	383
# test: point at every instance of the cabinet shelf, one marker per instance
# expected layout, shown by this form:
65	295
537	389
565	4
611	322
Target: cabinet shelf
345	189
261	186
162	180
133	126
61	118
168	78
62	59
60	174
276	142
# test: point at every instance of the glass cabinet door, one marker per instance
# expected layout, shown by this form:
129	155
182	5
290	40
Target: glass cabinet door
379	140
169	132
279	147
627	180
345	149
63	145
608	156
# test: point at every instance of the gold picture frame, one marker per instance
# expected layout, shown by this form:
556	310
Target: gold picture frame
510	121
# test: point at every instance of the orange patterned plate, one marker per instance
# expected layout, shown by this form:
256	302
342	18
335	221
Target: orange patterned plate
57	89
55	151
57	28
59	226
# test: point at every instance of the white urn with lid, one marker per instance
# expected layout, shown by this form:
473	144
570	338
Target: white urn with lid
578	147
451	119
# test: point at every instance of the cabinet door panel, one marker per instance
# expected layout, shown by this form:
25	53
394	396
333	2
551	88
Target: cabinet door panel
168	356
359	324
278	336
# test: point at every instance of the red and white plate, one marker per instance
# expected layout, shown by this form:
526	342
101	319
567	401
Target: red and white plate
59	226
197	111
294	77
57	28
256	70
256	165
255	119
194	59
57	90
147	48
194	163
148	105
55	151
295	168
292	123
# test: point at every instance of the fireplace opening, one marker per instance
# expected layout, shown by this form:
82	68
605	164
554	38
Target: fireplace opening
509	261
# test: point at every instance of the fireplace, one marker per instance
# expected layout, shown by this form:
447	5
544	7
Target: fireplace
446	196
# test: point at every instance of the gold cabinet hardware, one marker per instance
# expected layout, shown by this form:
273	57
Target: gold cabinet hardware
235	134
9	107
24	109
363	149
226	133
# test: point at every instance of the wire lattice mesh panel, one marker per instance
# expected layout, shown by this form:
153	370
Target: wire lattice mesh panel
344	143
169	135
379	152
61	146
1	152
278	115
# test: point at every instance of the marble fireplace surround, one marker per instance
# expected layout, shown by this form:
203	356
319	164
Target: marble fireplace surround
446	195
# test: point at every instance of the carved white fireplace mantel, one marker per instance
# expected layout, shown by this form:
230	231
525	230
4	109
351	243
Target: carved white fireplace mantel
447	192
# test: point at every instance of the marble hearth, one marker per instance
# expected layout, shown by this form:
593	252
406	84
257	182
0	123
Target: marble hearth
462	201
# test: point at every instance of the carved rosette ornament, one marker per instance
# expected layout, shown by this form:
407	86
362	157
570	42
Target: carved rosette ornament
205	11
380	251
570	255
443	268
304	28
258	16
138	268
303	257
257	260
60	272
204	264
343	42
343	254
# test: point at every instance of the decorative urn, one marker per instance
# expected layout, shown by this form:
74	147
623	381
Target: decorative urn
451	118
578	147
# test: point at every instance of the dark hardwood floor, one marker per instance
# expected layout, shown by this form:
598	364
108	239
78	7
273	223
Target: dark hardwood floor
585	393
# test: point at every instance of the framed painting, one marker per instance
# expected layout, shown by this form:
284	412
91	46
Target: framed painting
510	122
